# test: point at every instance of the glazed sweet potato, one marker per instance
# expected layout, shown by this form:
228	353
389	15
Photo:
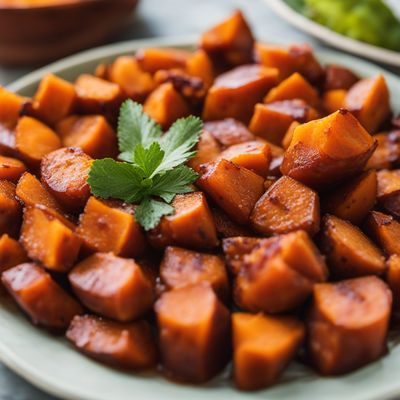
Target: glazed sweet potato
320	155
92	133
193	326
287	139
113	287
49	238
200	65
389	191
181	267
285	207
10	209
191	226
348	324
10	107
11	253
207	150
353	200
333	100
128	346
235	93
349	253
338	77
11	169
262	348
235	189
393	280
65	172
40	297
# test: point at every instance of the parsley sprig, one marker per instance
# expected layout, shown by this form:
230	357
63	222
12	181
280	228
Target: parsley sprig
152	171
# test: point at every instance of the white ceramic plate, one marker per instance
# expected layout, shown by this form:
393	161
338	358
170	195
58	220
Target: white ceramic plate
342	42
53	365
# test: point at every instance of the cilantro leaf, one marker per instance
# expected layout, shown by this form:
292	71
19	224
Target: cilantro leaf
150	211
148	159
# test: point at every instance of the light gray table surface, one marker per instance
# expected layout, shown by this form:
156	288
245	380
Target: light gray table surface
156	18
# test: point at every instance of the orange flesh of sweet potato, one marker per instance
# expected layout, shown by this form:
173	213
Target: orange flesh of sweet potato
200	65
320	155
286	206
348	324
348	251
181	267
113	287
65	172
106	228
153	59
194	329
11	253
47	239
393	279
333	100
355	199
389	191
42	299
263	347
191	226
338	77
10	107
10	209
92	133
368	100
129	346
225	226
235	93
235	189
287	139
11	169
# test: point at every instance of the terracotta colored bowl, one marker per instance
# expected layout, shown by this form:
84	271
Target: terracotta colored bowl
34	35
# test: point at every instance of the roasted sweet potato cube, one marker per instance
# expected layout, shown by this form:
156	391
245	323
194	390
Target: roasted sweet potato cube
287	139
294	87
338	77
279	275
348	324
54	99
387	153
10	209
11	253
92	133
320	155
193	325
353	200
10	107
40	297
230	42
235	93
227	228
107	227
349	253
285	207
234	188
49	239
129	346
11	169
112	286
191	226
393	280
333	100
207	150
166	105
181	267
368	100
200	65
262	348
153	59
64	172
389	191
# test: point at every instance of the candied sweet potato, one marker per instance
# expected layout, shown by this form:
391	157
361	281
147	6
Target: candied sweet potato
285	207
235	93
11	169
349	253
393	280
200	65
194	329
338	77
153	59
333	100
262	348
129	346
11	253
10	107
234	188
113	287
389	191
207	150
348	324
320	155
10	209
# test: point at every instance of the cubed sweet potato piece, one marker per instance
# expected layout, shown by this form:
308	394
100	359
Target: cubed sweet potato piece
105	227
234	188
348	324
287	139
235	93
129	346
294	87
10	107
11	169
48	238
368	100
320	155
54	99
227	228
207	150
65	173
92	133
113	287
191	226
33	140
153	59
353	200
387	153
279	275
393	280
11	253
349	253
389	191
181	267
10	209
230	42
333	100
166	105
200	65
338	77
285	207
194	333
262	348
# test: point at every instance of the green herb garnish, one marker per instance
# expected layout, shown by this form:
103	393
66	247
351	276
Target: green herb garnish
152	171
